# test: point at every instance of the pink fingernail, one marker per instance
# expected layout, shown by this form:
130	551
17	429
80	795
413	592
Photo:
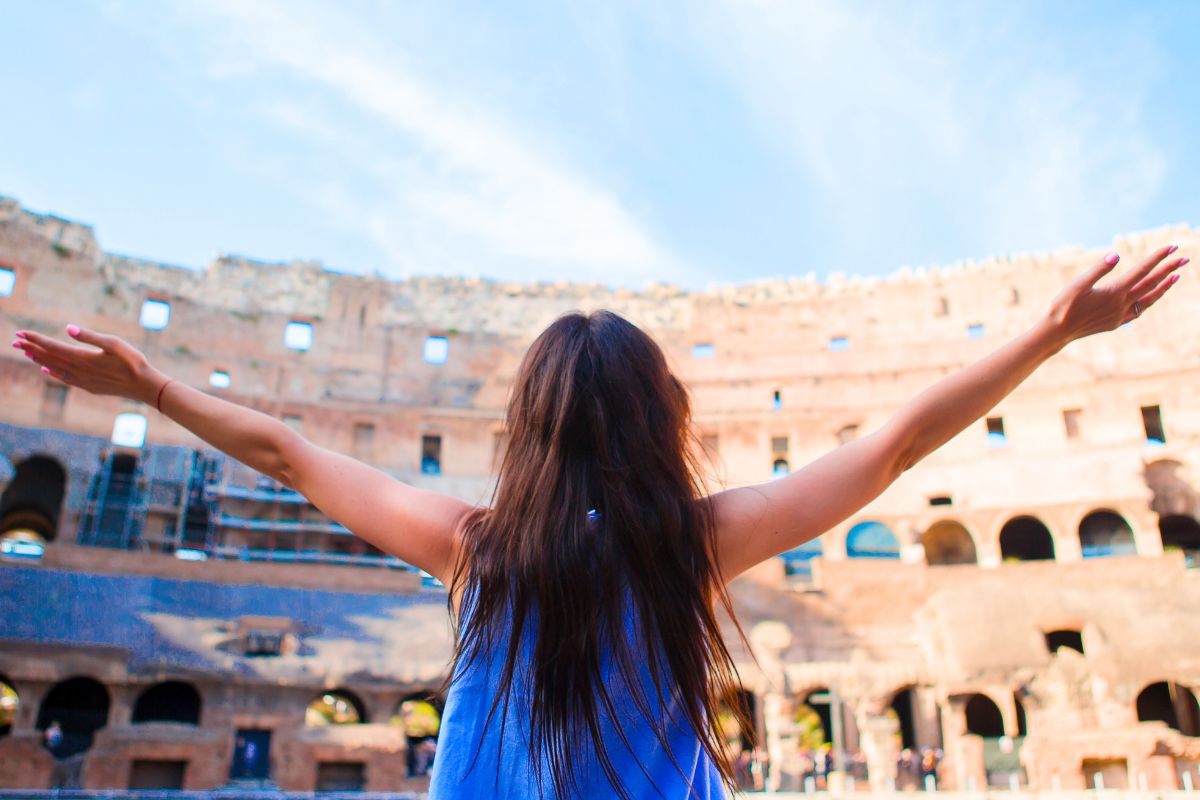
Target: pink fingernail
1111	259
1183	261
73	330
28	355
20	334
1174	278
17	345
1172	249
46	371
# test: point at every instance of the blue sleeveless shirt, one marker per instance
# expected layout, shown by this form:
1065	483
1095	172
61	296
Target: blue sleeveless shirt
475	759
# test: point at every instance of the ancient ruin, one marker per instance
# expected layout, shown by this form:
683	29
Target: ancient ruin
1021	605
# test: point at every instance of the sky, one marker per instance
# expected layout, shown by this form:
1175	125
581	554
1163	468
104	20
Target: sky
624	142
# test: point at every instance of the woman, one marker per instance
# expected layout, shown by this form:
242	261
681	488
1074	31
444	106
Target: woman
588	658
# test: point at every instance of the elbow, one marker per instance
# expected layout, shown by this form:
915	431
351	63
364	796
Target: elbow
279	463
902	450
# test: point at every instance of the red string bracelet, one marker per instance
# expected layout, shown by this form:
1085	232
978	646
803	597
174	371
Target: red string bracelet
158	400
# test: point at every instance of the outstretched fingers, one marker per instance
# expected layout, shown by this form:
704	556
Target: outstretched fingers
1152	297
1135	276
55	347
1156	277
42	357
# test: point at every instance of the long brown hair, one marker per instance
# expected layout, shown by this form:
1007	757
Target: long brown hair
598	504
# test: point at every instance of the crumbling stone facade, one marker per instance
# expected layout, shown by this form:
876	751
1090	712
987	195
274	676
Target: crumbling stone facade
1023	601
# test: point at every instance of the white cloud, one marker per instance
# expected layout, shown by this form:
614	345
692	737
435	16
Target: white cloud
893	112
467	190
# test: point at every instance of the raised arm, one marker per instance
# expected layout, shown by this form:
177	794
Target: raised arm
416	525
757	522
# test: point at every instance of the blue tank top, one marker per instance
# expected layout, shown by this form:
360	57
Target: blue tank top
476	760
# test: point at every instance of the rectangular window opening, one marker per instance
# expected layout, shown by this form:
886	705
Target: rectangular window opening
8	281
437	349
703	350
364	440
776	400
294	421
941	500
129	430
431	455
219	379
341	776
155	314
779	445
54	398
1153	424
975	330
1071	422
839	343
156	774
847	434
298	335
995	432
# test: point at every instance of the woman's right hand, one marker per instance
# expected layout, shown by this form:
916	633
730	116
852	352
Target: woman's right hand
116	368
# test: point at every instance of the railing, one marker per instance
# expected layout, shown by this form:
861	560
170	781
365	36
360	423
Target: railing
282	525
309	557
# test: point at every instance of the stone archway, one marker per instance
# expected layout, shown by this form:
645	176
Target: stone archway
10	703
1104	533
77	708
983	717
948	542
31	505
1172	703
169	701
872	539
421	716
1181	532
1026	538
335	707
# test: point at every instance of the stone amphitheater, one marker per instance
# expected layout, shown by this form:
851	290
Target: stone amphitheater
1019	609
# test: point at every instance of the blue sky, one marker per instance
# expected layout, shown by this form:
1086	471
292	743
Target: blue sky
622	142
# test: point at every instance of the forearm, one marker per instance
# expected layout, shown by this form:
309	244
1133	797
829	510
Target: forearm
945	409
250	436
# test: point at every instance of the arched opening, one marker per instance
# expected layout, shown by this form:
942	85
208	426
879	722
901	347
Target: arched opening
780	468
736	720
1172	703
31	505
111	495
10	701
902	706
70	715
815	718
798	562
337	707
872	540
421	716
984	717
1022	729
1106	533
170	701
1064	638
948	542
736	713
1025	538
1181	532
